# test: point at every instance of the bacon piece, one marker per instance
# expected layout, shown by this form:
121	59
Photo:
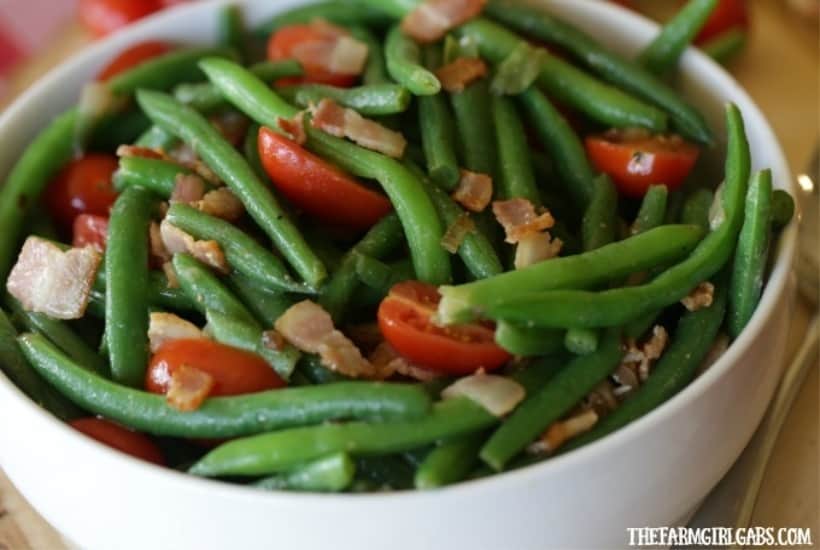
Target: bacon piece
170	274
474	191
701	297
207	252
188	388
459	73
457	232
138	151
334	50
497	394
48	280
232	125
273	340
432	19
165	327
519	219
387	362
334	119
221	203
561	431
294	127
641	357
159	253
188	188
536	248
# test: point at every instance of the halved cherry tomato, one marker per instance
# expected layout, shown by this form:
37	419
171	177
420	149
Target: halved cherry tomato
102	17
405	320
83	186
634	159
289	38
318	187
728	14
234	371
90	230
133	56
117	437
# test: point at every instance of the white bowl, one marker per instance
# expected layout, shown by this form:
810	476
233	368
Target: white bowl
651	473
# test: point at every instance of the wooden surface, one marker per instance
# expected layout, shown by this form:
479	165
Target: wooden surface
780	70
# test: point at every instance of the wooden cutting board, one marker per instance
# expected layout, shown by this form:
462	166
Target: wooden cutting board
779	68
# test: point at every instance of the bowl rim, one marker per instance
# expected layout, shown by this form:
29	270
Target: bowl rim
775	289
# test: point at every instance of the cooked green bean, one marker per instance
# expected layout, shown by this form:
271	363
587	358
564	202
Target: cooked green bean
438	131
534	375
242	252
552	401
311	366
113	131
403	57
208	292
250	148
341	13
220	417
330	474
372	272
600	217
751	255
725	46
277	451
249	337
157	138
449	462
44	156
581	341
663	53
369	99
518	71
229	165
525	341
157	175
782	208
696	207
515	173
387	472
160	294
126	293
375	70
231	30
653	209
265	304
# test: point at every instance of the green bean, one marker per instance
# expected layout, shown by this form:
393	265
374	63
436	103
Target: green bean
603	103
752	253
249	337
524	341
581	341
165	71
45	155
231	30
653	209
600	217
220	417
389	472
242	252
113	131
375	71
341	13
516	176
159	293
449	462
266	305
380	240
629	76
421	225
535	375
208	292
403	57
725	46
229	165
691	342
311	366
659	246
157	138
156	175
14	365
584	309
563	145
518	71
330	474
126	293
782	208
250	148
696	207
372	272
476	135
370	99
278	451
663	53
365	296
552	401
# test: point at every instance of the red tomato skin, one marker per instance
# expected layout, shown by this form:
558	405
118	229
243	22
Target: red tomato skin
118	437
90	230
404	321
130	57
234	371
318	187
727	15
281	45
102	17
633	167
83	186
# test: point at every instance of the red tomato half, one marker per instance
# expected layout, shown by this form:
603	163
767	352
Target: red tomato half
103	17
117	437
90	230
83	186
285	40
727	15
318	187
405	321
234	371
133	56
635	159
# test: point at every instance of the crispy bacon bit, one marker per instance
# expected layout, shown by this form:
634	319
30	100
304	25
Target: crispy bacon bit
137	151
497	394
602	399
536	248
207	252
643	355
459	73
221	203
310	328
701	297
273	340
519	219
294	127
188	388
334	50
626	380
334	119
188	188
474	191
432	19
387	362
457	232
159	253
187	157
170	274
366	335
48	280
561	431
348	57
232	125
165	327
